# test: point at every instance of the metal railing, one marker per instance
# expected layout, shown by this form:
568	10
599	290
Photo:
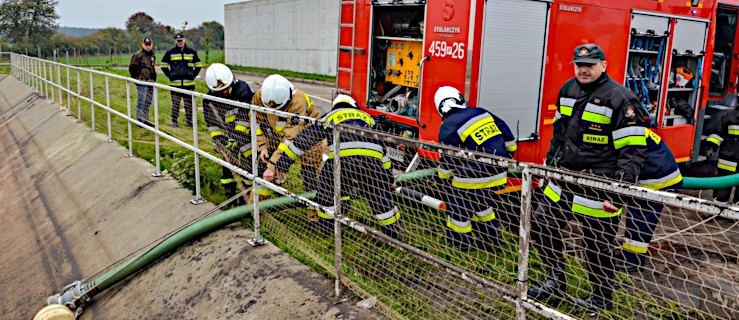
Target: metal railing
437	267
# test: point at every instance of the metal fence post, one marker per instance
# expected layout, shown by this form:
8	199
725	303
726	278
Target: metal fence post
524	236
107	103
92	104
128	113
51	77
158	160
59	79
257	240
46	82
198	198
79	96
69	88
337	209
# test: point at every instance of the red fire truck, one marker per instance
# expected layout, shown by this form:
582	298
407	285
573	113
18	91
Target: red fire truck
512	56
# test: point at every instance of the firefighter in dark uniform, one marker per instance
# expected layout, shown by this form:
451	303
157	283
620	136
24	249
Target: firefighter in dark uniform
228	125
725	143
364	166
660	172
469	184
181	65
599	129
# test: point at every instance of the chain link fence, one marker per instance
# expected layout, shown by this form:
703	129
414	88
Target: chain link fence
464	241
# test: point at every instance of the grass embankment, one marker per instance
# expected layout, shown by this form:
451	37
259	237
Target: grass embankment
122	59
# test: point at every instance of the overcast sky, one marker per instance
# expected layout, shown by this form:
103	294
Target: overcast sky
113	13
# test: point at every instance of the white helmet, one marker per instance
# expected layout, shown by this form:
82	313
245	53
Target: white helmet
218	77
276	92
342	98
446	98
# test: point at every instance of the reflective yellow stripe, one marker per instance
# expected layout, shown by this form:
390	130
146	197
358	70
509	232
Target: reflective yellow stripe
484	216
260	132
241	128
266	192
444	174
480	183
592	208
175	58
308	103
230	118
667	181
511	146
286	149
386	163
630	141
465	228
323	215
390	221
357	152
635	246
389	217
594	117
227	181
246	153
715	139
734	130
216	133
727	165
565	110
553	192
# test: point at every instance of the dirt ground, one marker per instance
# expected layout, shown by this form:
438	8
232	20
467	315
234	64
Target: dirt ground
72	205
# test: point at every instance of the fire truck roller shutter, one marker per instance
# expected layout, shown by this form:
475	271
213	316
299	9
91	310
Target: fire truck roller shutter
642	23
513	45
690	36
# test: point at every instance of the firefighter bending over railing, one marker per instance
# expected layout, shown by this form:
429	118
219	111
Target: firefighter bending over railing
229	125
364	167
469	185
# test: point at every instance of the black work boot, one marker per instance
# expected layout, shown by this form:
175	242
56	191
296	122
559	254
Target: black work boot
555	286
458	241
487	237
630	261
594	303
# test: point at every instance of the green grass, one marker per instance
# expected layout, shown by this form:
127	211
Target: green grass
121	60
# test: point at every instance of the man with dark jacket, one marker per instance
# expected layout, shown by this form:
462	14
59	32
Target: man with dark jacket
599	129
181	65
142	67
725	142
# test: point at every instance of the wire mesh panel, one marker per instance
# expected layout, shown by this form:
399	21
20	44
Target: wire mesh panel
630	255
450	241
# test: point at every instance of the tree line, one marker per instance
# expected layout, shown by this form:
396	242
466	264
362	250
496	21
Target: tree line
30	27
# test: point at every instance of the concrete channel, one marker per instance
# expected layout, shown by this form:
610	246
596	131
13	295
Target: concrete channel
73	205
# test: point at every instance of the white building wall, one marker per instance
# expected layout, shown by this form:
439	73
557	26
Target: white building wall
295	35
